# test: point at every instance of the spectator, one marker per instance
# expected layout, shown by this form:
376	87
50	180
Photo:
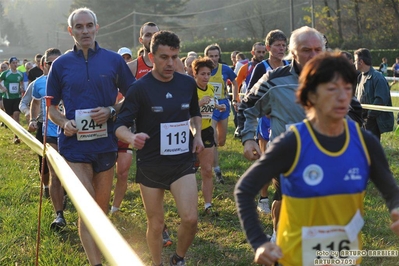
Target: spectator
384	66
372	88
395	68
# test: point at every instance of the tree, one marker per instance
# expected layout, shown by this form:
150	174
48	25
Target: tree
364	26
24	38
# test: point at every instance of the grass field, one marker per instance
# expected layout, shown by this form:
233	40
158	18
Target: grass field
219	240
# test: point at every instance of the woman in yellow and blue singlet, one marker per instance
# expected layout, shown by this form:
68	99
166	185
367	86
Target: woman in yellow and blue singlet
202	69
324	164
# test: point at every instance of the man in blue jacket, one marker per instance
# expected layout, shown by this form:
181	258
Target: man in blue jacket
87	79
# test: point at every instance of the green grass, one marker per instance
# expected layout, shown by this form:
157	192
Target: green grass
219	241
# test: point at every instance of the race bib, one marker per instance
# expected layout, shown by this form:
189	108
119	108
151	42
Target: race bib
207	109
175	137
87	128
326	242
14	88
218	89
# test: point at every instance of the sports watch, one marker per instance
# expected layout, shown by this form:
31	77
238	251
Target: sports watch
113	113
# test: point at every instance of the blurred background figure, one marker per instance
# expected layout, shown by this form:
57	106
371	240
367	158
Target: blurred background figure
126	53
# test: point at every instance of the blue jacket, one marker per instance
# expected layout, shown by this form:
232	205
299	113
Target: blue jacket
86	84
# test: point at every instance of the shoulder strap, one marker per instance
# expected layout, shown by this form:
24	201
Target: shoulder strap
267	65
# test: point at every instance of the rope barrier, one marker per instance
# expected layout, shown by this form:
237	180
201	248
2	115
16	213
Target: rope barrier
111	243
380	108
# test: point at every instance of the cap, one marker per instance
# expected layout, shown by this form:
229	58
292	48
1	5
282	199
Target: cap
12	59
124	50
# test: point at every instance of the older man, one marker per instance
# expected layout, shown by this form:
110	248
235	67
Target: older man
87	141
274	95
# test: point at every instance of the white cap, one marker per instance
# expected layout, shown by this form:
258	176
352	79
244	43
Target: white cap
124	50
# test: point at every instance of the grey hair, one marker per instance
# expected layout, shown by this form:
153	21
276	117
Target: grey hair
301	34
81	10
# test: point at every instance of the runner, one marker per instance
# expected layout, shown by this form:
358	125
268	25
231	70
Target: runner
218	79
162	104
202	69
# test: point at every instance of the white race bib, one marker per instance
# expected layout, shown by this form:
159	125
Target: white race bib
175	138
207	109
87	128
218	89
330	239
14	88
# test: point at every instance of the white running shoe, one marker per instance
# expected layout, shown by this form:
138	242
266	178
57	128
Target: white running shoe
263	206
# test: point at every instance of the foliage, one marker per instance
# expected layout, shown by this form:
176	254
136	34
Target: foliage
125	32
13	31
219	240
350	24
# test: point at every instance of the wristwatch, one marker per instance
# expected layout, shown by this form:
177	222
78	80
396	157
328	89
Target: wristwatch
113	113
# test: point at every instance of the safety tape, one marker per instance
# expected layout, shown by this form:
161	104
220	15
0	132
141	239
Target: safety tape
111	243
380	108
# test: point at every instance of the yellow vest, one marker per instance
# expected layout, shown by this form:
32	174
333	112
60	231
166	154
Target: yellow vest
218	83
207	109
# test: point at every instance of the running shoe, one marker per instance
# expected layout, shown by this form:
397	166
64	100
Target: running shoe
17	141
210	212
166	238
263	206
219	178
58	224
179	263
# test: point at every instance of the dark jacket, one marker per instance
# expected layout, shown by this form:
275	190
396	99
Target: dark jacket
374	89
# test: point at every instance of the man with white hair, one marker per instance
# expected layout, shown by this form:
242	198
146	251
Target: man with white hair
86	139
274	95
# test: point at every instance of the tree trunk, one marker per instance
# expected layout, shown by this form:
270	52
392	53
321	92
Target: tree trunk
339	22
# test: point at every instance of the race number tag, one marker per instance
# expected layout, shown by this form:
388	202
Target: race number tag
331	240
14	88
175	138
218	89
87	128
207	109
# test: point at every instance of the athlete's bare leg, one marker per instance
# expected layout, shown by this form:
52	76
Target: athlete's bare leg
122	172
99	187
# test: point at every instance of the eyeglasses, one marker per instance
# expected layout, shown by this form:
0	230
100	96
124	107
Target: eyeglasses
49	63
